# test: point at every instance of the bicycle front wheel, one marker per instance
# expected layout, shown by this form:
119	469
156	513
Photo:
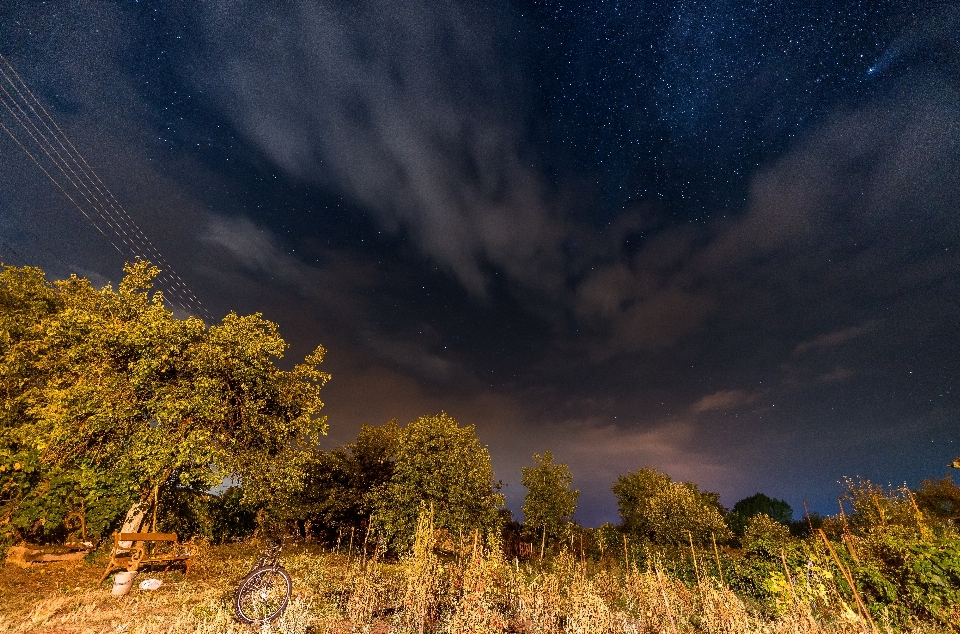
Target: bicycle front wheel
262	595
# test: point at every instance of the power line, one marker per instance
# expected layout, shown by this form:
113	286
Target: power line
14	251
82	188
114	204
91	196
46	248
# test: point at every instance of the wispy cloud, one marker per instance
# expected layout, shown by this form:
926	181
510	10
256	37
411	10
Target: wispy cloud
408	109
723	400
835	338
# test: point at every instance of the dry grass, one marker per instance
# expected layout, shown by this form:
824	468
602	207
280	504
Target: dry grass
472	592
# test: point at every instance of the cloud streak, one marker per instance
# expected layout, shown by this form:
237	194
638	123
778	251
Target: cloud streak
406	108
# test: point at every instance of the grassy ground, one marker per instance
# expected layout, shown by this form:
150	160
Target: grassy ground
472	592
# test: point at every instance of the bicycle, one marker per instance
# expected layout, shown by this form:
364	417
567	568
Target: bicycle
264	594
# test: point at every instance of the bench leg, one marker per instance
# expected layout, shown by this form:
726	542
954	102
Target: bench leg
106	573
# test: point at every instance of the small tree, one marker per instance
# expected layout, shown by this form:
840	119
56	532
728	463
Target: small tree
657	509
550	502
765	535
439	466
338	495
939	499
757	504
876	507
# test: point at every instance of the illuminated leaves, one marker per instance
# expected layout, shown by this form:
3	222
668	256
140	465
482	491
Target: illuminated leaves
110	380
656	508
440	465
550	502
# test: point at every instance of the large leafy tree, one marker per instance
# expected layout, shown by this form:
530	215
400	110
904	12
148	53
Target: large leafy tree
440	466
110	396
657	509
550	501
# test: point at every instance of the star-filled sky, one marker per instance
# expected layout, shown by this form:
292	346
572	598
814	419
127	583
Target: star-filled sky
718	238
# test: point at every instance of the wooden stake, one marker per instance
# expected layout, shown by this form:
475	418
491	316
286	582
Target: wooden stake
350	551
693	555
876	502
156	503
861	607
786	571
83	520
626	554
920	524
365	538
716	551
807	513
666	601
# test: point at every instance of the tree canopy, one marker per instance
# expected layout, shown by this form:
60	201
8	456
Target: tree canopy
340	484
107	396
550	502
439	465
657	509
757	504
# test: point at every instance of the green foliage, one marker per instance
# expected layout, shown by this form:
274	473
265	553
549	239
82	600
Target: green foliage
106	395
550	502
184	510
765	535
907	575
53	503
874	507
338	494
442	466
757	504
657	509
939	499
231	517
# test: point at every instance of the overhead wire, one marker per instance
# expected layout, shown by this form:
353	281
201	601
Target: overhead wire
45	247
60	187
46	146
57	158
128	227
87	184
14	251
91	174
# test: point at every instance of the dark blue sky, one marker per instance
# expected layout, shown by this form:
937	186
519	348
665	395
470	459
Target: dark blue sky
716	238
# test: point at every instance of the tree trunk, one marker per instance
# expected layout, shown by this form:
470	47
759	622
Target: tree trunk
134	519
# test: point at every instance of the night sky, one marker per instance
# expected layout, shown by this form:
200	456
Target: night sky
718	238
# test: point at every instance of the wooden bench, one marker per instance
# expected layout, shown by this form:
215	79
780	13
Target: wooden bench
133	550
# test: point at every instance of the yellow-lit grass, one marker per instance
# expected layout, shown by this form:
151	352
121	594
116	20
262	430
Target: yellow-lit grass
475	591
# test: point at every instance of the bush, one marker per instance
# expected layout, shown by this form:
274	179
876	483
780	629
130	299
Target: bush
442	466
765	536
